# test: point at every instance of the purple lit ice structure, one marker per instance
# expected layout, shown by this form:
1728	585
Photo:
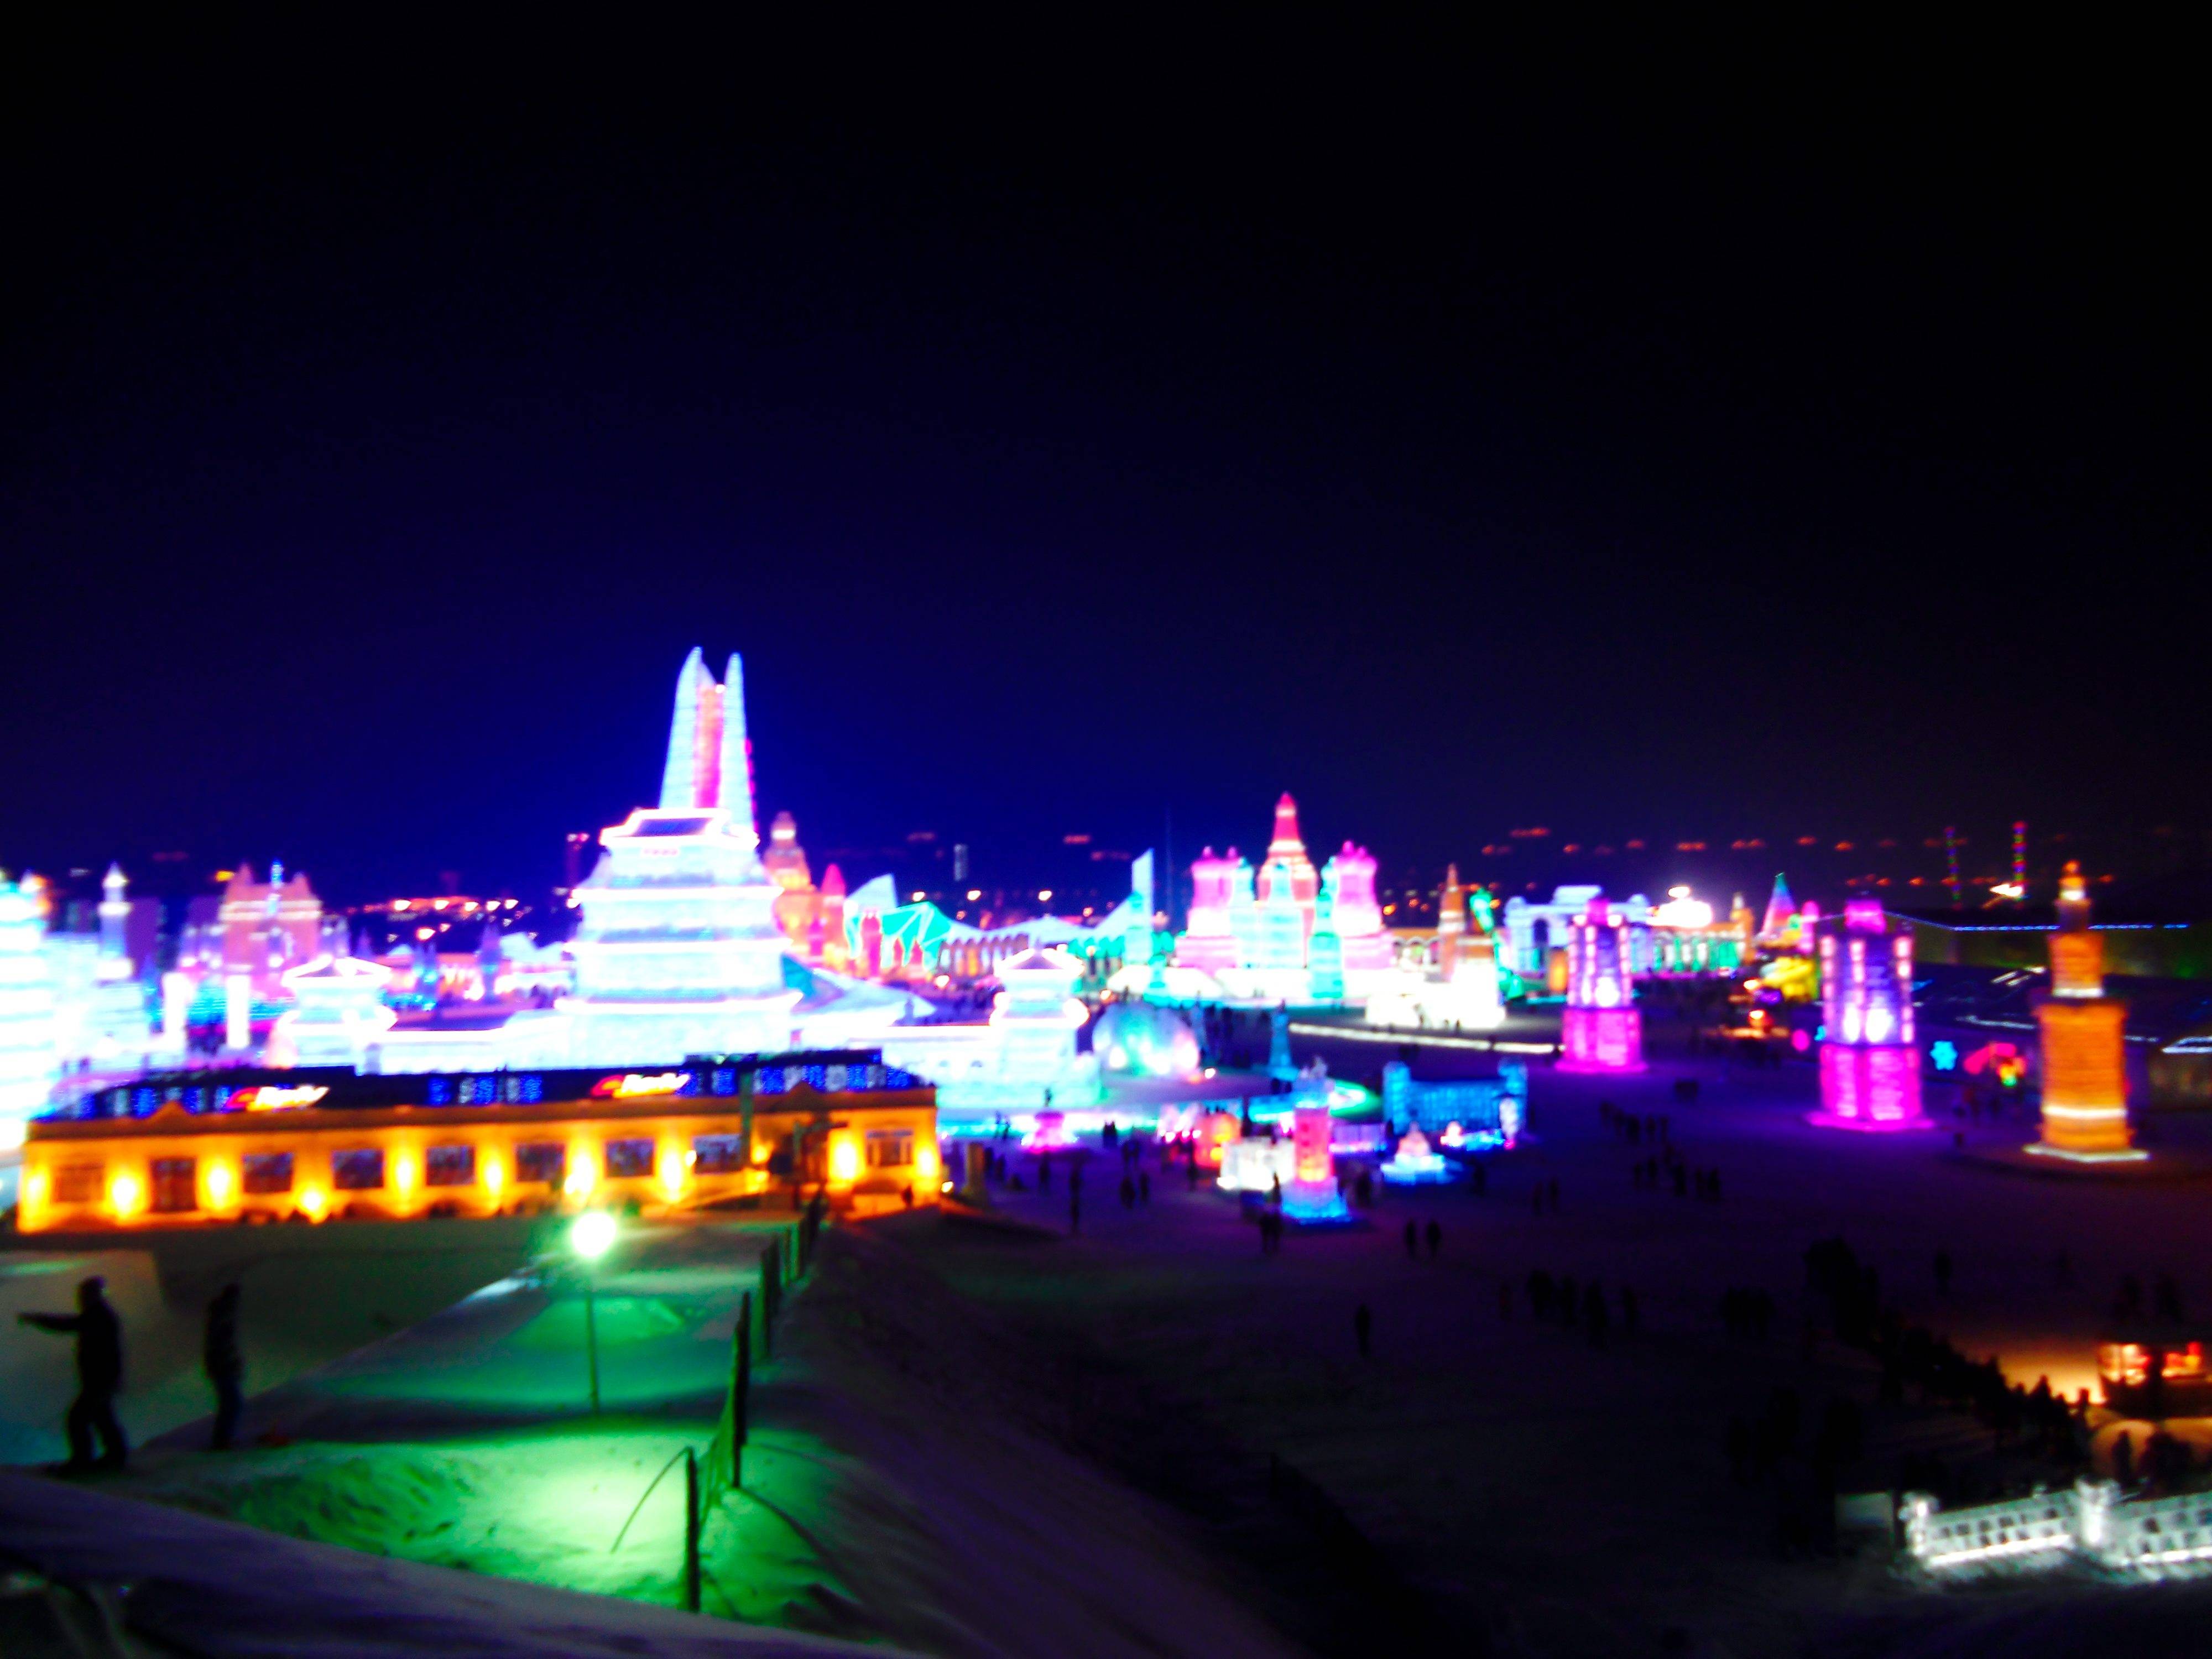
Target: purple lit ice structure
1050	1133
1869	1063
1603	1031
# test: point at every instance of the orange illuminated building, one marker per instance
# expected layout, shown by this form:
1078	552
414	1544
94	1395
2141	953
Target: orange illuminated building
798	902
2155	1374
862	1133
2085	1078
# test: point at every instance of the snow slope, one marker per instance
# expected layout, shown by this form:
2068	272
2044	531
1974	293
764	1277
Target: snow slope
213	1588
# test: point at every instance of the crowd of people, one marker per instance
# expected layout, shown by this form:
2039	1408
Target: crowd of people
1576	1305
2036	1420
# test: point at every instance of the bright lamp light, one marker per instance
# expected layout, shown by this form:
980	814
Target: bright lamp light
592	1235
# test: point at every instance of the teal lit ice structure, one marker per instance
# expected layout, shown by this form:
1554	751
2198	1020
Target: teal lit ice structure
1134	1038
1488	1112
1325	950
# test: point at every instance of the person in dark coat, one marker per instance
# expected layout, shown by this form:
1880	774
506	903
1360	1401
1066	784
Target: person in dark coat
99	1374
226	1366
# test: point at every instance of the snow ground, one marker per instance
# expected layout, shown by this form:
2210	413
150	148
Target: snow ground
893	1490
1565	1499
976	1443
182	1584
308	1295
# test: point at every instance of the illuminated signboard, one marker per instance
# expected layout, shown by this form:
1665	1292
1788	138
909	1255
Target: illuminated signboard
629	1085
268	1097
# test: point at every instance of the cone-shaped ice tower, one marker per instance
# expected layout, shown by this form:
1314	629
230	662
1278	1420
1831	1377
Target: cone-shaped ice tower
710	759
2085	1073
679	952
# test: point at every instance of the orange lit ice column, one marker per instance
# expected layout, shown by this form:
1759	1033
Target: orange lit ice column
1602	1030
1313	1195
1869	1060
798	904
1451	920
1208	944
2085	1077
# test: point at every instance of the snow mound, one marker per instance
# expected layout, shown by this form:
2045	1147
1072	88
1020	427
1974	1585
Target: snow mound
211	1588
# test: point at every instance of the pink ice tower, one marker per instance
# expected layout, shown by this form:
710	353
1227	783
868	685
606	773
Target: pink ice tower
1869	1062
1603	1031
1358	918
1209	944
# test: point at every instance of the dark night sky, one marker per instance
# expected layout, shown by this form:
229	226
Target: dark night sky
1639	434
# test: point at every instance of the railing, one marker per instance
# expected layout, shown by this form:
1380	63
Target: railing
2156	1538
2044	1525
2091	1525
710	1477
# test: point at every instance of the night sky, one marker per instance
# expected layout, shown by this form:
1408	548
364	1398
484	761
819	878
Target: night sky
1656	434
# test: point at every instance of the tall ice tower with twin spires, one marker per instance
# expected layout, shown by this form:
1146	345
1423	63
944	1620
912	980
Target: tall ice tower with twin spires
678	951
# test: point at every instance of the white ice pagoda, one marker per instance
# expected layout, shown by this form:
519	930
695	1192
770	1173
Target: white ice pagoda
679	952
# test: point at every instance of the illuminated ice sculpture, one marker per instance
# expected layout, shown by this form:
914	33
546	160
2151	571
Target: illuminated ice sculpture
1027	1054
1536	931
2085	1074
29	1056
337	1010
1415	1163
1253	930
1142	1039
1601	1030
1311	1196
1366	942
1207	943
679	952
1869	1062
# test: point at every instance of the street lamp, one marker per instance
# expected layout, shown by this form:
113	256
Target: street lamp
591	1237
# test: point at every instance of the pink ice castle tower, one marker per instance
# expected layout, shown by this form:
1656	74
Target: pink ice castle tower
1208	944
1358	917
1602	1032
1286	859
1869	1062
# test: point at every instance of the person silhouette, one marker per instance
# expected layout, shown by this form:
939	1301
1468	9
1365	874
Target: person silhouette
98	1335
226	1366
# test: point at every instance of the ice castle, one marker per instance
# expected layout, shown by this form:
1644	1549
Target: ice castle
678	951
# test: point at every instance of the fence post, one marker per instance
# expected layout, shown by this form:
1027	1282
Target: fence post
691	1530
741	1382
771	1283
